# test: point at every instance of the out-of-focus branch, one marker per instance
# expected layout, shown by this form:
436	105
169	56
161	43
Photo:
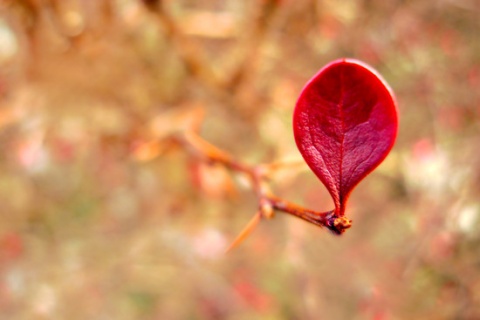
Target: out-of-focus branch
193	57
255	39
258	175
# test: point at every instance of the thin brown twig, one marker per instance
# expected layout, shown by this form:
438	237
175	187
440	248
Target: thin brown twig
258	176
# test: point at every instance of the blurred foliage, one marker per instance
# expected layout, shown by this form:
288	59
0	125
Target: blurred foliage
93	228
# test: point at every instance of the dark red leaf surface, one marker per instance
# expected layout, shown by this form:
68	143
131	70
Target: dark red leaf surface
345	123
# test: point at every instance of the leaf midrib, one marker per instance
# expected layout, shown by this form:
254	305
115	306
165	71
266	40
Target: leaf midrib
342	138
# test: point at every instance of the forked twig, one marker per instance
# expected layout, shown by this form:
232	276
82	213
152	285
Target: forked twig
258	176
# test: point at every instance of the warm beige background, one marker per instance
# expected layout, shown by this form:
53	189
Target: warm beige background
92	226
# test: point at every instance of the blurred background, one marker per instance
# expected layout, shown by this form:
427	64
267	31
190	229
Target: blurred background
98	220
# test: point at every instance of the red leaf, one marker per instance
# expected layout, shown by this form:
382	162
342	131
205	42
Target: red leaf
345	123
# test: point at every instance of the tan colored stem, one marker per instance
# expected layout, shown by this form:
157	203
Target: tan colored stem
268	202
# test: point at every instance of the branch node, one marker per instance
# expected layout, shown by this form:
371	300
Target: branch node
266	209
338	225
